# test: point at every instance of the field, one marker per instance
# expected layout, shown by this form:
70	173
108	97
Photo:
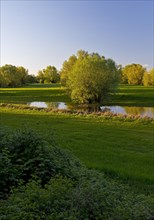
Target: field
125	96
133	96
121	148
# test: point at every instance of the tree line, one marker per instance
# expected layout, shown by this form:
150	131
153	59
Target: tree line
13	76
78	67
136	74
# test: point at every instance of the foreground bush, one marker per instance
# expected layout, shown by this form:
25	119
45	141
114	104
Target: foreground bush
54	185
25	155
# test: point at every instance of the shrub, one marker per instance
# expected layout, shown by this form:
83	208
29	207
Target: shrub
62	187
92	197
25	155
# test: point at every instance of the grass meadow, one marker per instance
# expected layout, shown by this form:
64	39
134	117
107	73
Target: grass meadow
123	149
126	95
129	95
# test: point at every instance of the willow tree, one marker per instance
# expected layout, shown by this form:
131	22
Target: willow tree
92	78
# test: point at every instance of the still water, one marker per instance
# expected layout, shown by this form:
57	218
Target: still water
53	105
142	111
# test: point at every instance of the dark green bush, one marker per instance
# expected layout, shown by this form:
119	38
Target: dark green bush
44	182
24	155
92	197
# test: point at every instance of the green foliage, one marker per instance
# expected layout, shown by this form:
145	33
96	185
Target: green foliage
58	186
66	69
40	76
91	78
31	79
148	78
133	74
48	75
25	155
12	76
90	197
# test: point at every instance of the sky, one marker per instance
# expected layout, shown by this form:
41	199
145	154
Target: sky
35	34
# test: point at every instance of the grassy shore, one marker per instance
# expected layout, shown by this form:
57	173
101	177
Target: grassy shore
126	95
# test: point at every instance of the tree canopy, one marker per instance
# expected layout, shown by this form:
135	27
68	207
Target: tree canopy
12	76
91	78
66	69
48	75
133	74
148	78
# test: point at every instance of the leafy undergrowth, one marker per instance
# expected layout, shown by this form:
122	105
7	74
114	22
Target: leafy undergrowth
38	180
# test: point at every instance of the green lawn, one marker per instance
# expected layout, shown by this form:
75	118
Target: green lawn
126	95
119	148
34	92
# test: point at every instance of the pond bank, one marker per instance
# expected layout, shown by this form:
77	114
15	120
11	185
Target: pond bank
124	110
102	114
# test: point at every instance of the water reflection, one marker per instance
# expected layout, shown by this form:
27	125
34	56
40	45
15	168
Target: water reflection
142	111
135	110
53	105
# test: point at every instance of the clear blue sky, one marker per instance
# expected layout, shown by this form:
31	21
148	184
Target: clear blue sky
35	34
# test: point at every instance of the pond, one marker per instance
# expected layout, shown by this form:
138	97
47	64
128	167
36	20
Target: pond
53	105
142	111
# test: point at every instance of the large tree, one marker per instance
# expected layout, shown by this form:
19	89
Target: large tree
133	74
91	78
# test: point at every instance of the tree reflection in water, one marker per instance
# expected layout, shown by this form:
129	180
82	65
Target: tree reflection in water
135	110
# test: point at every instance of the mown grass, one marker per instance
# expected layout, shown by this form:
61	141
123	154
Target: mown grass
129	95
34	92
126	95
119	148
